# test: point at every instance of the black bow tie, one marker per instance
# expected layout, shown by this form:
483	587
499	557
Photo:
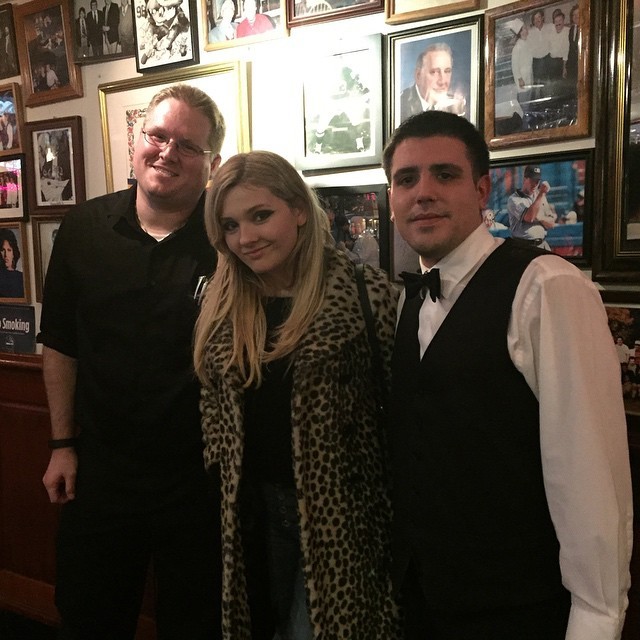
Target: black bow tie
414	282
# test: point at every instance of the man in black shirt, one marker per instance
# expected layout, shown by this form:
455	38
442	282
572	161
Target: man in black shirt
118	313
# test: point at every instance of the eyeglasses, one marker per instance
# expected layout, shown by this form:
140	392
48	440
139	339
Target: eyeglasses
183	147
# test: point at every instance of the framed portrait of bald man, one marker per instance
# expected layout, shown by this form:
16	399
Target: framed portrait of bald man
436	68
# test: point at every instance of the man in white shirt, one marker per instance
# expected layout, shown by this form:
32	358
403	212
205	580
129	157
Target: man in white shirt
512	512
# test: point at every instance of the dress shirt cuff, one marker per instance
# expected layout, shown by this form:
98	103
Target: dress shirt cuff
587	624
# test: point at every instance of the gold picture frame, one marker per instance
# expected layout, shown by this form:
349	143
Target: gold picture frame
123	104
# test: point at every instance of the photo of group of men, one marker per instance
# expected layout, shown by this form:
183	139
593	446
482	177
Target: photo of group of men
624	323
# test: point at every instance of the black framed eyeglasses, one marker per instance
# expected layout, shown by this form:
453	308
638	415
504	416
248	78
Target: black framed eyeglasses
183	147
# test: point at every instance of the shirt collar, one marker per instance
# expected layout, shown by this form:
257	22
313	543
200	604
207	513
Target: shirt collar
463	260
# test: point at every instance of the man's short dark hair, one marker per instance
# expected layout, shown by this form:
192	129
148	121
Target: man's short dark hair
440	123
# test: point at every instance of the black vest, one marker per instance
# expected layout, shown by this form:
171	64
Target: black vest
469	501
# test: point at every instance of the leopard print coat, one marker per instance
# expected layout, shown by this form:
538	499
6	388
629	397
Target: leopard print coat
338	461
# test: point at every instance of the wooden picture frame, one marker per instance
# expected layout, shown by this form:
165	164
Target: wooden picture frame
11	119
341	116
541	105
13	204
14	269
371	204
567	208
43	231
9	64
303	12
225	24
56	162
165	34
45	49
399	11
123	106
91	43
617	255
453	46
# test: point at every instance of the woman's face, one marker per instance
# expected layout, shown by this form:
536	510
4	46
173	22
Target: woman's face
262	231
6	252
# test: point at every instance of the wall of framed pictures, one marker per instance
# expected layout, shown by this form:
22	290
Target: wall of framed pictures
582	127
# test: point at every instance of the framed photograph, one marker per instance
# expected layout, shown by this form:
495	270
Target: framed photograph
9	66
102	30
436	67
165	34
233	22
617	255
11	120
342	106
546	200
14	263
399	11
44	230
45	48
538	72
359	218
624	323
301	12
54	156
12	192
123	106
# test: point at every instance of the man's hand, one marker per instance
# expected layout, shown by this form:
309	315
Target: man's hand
60	477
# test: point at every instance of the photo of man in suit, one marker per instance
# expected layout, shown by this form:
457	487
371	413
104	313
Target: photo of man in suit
431	91
95	22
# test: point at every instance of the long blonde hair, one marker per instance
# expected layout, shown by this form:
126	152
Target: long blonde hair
234	294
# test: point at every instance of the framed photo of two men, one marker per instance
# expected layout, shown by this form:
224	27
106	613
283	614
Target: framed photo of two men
538	72
437	67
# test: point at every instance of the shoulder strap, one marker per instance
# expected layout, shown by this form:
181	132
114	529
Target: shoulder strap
371	331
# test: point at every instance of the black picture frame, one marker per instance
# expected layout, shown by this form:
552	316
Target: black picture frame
569	174
460	41
90	43
162	43
368	201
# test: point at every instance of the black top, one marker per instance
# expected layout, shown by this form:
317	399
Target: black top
267	414
122	305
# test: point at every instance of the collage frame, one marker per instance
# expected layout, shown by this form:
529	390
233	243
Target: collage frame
35	53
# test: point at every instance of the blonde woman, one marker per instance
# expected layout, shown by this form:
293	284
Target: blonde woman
289	414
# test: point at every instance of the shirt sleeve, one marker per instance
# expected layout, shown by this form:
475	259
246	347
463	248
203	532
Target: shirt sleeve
59	302
560	341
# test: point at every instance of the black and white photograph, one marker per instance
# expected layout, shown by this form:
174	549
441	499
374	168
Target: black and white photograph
54	154
537	80
102	30
436	68
14	274
9	66
12	194
342	106
165	33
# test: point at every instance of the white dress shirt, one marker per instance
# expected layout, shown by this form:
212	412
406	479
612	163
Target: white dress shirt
559	340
